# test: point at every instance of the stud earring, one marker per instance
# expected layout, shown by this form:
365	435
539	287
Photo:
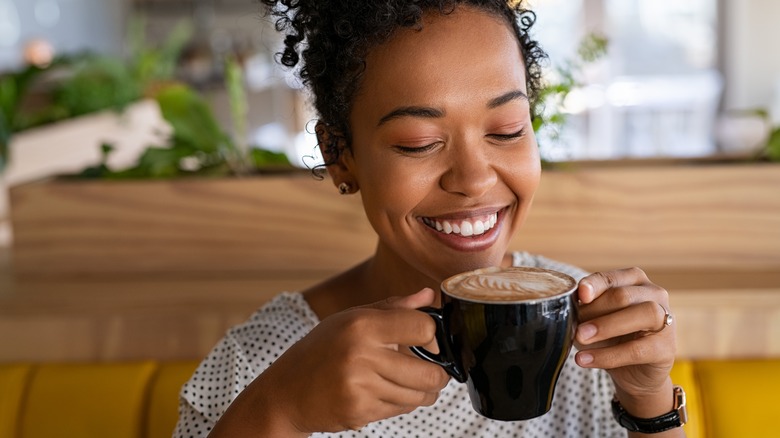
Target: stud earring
345	188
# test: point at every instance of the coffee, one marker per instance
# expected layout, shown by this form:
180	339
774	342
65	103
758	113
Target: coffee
506	332
507	284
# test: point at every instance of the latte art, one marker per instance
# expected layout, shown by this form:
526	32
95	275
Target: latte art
508	284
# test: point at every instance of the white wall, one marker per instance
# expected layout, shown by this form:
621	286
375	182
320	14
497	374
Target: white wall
752	53
68	24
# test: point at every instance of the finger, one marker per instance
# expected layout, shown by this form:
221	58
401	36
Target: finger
424	297
411	372
403	398
397	327
644	350
620	298
647	316
592	286
407	400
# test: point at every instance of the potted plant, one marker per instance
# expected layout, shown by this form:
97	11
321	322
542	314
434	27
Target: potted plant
68	107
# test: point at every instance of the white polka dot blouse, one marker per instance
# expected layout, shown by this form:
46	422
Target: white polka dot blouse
581	407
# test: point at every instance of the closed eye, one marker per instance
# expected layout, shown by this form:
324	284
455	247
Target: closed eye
415	149
508	137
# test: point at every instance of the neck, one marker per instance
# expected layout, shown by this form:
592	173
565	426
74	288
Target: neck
382	276
388	275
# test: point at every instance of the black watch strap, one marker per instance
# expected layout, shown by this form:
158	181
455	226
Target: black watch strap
671	420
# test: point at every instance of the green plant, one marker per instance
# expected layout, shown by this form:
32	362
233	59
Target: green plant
83	83
14	117
550	113
771	150
193	146
198	145
237	154
150	63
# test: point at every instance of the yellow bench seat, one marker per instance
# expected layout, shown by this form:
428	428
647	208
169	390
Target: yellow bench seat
726	398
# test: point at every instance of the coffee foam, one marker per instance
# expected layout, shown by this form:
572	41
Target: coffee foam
508	284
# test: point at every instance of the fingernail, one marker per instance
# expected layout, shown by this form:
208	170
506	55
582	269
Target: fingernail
587	331
585	358
586	291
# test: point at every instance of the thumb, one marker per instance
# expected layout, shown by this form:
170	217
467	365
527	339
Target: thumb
424	297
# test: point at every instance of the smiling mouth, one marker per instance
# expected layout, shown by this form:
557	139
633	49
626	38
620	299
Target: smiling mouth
474	226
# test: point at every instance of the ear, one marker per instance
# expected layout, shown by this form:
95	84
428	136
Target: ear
337	156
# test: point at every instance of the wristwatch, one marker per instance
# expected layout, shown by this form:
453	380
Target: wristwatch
676	418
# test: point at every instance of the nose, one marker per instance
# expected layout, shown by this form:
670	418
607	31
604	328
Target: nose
470	171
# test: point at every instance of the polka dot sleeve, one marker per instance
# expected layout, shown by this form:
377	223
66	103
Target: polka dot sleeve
245	352
211	389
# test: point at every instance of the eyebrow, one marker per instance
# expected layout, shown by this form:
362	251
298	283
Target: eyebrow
506	98
411	111
432	113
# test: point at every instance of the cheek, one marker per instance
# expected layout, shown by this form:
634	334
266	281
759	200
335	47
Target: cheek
531	174
390	190
521	170
531	165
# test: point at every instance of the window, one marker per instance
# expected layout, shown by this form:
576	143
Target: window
655	93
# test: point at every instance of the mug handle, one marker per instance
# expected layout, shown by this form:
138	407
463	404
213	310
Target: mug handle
444	358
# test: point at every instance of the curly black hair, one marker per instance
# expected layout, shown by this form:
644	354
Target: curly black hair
334	37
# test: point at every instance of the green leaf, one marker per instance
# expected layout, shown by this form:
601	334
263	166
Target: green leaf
537	123
148	63
94	172
106	149
264	158
191	118
97	83
773	145
161	162
593	47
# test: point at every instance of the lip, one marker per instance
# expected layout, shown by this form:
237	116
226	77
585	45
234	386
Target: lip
472	243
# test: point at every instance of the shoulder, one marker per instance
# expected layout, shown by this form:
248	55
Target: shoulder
288	308
245	351
272	329
522	258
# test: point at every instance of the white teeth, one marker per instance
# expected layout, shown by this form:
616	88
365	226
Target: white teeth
465	228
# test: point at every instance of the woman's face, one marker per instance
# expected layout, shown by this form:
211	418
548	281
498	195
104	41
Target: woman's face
443	150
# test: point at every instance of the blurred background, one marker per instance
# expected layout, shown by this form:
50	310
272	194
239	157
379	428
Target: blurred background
697	79
660	127
675	81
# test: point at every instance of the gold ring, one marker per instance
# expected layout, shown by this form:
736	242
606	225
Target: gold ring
668	319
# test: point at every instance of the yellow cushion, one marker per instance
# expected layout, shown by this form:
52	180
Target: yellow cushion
13	382
740	397
164	398
87	400
683	375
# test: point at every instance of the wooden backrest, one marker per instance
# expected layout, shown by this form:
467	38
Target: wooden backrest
671	217
291	227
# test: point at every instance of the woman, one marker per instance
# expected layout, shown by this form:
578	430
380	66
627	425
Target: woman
425	110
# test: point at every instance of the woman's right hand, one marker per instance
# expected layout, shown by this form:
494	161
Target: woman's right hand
354	368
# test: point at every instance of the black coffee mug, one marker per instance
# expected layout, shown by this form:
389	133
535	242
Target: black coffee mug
509	352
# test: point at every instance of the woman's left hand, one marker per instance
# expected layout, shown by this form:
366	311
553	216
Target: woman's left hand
622	329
